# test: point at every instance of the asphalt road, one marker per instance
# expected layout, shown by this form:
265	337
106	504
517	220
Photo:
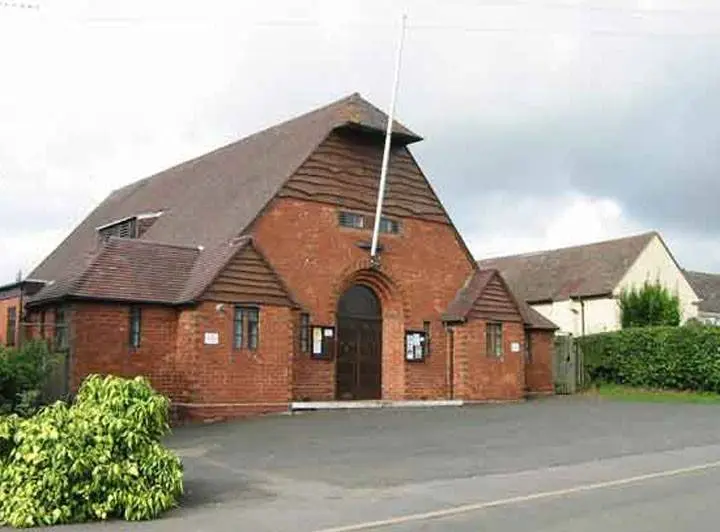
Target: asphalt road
547	465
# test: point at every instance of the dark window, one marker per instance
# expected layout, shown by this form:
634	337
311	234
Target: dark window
253	328
304	332
494	340
61	330
238	328
125	229
426	330
42	324
11	326
389	226
246	328
351	219
135	326
528	347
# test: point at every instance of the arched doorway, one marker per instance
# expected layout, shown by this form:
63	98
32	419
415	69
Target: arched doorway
359	355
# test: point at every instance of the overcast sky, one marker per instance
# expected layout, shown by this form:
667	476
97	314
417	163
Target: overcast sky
546	123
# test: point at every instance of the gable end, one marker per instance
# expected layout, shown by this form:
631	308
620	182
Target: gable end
344	170
248	278
495	303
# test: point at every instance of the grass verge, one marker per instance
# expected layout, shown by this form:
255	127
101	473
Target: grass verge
628	393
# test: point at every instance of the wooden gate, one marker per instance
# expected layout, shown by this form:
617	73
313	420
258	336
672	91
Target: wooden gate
568	366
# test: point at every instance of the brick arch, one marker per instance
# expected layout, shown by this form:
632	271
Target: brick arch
395	310
381	280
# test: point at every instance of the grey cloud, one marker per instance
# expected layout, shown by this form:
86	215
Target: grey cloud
657	157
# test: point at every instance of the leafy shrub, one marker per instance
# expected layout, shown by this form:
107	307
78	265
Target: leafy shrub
680	358
23	373
651	305
100	457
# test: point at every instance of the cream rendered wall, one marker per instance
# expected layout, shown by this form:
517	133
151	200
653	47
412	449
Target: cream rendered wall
656	264
603	314
564	314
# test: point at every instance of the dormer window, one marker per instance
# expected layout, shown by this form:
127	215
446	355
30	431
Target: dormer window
123	229
130	227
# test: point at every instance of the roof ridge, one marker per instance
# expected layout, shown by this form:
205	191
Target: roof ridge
240	140
564	248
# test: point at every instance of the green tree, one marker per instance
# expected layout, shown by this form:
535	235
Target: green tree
648	306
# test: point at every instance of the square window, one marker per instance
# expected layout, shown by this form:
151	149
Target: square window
389	226
351	219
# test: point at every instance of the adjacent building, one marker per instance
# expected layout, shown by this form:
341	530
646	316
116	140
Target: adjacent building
577	287
241	281
12	299
707	287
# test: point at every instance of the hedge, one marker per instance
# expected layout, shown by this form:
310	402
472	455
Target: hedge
23	373
678	358
99	458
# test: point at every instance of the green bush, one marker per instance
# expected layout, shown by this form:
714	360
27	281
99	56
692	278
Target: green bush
98	458
679	358
23	373
651	305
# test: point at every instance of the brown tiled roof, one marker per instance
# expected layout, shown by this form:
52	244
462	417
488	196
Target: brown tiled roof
555	275
460	307
130	270
707	287
210	200
465	298
535	320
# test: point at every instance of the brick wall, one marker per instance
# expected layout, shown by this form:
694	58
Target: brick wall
100	343
205	381
222	374
538	370
479	377
422	269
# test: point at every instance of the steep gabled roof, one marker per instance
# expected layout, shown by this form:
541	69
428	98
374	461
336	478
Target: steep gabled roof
707	287
578	271
460	307
210	200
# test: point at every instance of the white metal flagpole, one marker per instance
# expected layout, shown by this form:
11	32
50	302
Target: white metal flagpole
388	136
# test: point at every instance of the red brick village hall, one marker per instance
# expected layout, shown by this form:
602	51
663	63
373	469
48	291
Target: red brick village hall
241	281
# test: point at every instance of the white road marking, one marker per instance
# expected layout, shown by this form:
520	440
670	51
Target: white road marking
465	508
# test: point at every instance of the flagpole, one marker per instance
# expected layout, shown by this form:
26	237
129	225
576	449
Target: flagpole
388	138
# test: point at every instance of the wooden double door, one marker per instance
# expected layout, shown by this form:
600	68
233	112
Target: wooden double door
359	336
